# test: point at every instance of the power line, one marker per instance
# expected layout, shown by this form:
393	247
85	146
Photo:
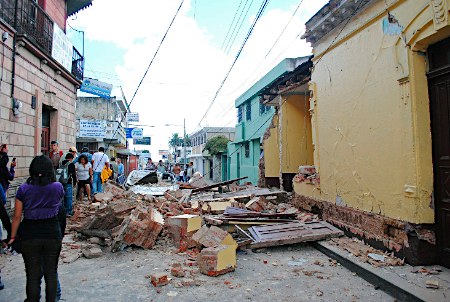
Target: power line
232	22
282	32
258	16
146	71
240	22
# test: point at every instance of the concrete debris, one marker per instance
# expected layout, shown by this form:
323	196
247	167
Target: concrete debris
163	216
92	252
367	253
432	284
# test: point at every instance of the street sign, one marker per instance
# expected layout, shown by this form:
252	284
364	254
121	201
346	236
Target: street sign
137	133
143	141
163	152
96	87
134	132
92	128
132	117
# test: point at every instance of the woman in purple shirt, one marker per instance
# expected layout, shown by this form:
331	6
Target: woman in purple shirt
38	200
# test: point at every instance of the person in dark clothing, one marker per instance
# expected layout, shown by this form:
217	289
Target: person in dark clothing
7	225
39	201
6	175
68	188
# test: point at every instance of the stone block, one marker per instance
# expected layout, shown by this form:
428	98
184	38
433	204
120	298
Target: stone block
92	252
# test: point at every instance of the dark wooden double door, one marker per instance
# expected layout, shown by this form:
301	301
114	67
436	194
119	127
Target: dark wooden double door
439	91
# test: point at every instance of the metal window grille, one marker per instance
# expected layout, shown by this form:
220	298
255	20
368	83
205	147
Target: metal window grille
247	149
248	112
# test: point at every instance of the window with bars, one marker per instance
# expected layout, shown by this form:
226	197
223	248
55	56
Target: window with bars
239	114
248	111
262	108
247	149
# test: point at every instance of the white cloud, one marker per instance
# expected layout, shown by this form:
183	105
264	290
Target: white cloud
189	68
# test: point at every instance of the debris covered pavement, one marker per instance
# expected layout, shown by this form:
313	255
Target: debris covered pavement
203	237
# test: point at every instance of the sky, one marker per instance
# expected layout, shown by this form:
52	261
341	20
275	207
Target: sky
120	41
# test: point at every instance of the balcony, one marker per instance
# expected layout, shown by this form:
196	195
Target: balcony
35	25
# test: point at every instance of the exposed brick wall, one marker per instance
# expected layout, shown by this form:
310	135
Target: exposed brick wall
56	9
416	243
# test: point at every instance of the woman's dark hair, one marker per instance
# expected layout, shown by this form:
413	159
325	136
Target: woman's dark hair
69	155
41	171
82	156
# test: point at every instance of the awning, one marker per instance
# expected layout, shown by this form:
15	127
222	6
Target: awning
74	6
125	152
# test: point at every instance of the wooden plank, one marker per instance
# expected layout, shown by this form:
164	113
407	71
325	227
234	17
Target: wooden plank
241	231
218	184
290	233
212	220
234	210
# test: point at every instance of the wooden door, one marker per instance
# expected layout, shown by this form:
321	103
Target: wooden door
439	91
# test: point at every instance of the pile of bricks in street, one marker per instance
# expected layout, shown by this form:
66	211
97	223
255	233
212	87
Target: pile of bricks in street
119	218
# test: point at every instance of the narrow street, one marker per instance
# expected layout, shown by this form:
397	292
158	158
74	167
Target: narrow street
292	273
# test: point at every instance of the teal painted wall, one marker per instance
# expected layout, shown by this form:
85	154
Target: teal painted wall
251	132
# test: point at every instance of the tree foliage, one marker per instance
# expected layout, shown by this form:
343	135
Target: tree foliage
216	145
177	141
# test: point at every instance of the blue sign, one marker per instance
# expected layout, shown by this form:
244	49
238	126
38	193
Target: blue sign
96	87
143	141
134	133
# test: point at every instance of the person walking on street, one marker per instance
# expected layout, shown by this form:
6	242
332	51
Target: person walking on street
7	225
74	152
120	171
71	181
55	155
99	160
190	171
84	177
114	167
6	175
38	200
150	165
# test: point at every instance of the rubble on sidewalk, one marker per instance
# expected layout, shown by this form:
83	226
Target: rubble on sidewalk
367	253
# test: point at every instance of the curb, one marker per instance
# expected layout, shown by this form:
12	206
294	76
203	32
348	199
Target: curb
388	286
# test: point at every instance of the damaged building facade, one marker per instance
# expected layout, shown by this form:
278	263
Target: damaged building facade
41	71
379	105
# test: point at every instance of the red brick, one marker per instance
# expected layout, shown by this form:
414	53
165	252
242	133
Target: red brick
159	279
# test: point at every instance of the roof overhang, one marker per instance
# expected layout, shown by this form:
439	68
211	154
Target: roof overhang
74	6
291	83
330	16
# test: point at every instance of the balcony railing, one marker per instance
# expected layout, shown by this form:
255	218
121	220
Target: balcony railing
34	23
77	64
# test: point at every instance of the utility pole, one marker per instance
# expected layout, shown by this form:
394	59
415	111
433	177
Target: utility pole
184	143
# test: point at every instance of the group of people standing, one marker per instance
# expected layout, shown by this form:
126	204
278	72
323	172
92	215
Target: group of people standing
178	172
44	201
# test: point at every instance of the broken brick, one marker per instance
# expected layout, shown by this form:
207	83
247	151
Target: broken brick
215	261
213	236
141	228
182	228
159	279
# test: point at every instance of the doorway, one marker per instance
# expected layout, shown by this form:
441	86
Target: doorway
439	92
45	134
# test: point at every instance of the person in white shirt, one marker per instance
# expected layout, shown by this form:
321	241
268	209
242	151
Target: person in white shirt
99	159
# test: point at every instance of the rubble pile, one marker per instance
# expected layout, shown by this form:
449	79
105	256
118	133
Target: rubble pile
204	225
367	253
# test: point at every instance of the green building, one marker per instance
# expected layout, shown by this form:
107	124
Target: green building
253	120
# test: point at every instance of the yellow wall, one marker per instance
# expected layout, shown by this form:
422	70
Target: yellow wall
371	124
296	142
271	153
296	134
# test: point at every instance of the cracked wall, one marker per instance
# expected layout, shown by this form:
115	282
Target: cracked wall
370	114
